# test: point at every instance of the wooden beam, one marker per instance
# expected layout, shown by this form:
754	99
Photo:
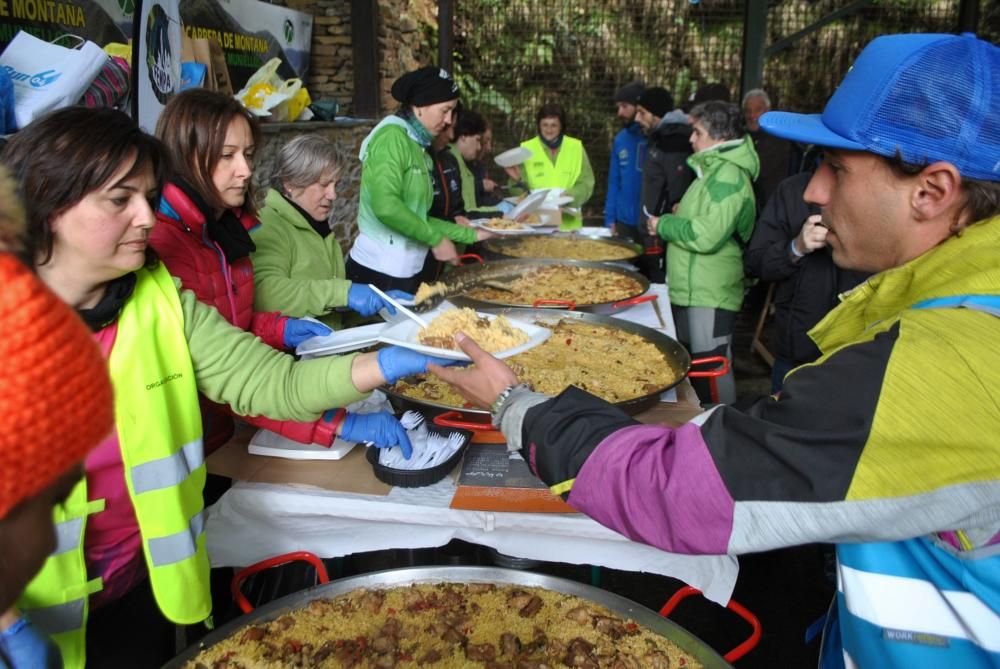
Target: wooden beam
754	41
364	50
783	44
446	22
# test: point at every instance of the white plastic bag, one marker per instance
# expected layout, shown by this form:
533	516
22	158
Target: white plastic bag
266	94
48	76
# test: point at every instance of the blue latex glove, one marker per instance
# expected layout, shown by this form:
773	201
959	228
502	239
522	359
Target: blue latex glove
367	302
505	207
297	330
380	429
27	647
396	362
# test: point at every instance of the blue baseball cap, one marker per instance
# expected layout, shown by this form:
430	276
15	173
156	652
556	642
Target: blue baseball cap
923	97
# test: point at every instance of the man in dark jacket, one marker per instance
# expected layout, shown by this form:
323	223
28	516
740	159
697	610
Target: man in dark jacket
665	175
788	249
621	207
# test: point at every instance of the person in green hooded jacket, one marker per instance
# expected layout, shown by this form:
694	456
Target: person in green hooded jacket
706	235
395	229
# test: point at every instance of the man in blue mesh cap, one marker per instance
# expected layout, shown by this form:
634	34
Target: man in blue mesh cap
889	444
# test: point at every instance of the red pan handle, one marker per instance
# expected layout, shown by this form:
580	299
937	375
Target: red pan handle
633	301
735	607
720	360
653	250
469	256
275	561
454	419
570	305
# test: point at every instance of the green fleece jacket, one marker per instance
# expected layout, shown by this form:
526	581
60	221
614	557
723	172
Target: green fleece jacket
296	271
236	368
396	190
704	256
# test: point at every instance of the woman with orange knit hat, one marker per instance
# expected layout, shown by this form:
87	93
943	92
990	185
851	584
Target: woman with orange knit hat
88	178
55	386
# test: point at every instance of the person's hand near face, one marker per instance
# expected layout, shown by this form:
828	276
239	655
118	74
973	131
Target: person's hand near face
812	237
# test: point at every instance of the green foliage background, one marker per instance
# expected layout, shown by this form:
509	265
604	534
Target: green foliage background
513	55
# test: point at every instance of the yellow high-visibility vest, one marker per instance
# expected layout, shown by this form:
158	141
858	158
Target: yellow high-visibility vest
540	172
159	429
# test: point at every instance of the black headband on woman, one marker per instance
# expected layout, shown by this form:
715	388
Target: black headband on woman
427	86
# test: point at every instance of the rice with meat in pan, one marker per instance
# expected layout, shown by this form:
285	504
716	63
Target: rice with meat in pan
447	625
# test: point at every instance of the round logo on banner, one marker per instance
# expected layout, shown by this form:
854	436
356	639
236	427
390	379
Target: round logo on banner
159	59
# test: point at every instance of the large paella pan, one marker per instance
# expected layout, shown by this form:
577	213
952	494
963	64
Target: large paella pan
552	284
672	359
286	608
577	245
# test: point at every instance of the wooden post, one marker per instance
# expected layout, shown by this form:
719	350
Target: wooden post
364	48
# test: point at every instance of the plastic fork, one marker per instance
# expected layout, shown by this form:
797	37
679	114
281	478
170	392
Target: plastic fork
403	310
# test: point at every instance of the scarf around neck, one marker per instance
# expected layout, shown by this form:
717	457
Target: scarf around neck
322	228
422	135
227	231
116	294
555	143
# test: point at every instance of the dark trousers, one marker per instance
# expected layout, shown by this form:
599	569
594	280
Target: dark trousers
358	273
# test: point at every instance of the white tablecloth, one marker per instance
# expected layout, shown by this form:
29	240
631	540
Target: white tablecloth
253	521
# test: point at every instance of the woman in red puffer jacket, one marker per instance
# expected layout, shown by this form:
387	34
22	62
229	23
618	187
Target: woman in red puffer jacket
204	218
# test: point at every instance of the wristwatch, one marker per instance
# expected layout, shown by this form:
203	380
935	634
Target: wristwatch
497	407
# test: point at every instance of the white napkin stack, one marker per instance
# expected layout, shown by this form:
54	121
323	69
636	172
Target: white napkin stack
429	449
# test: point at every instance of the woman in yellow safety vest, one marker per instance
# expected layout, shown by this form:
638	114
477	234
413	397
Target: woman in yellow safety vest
131	541
557	161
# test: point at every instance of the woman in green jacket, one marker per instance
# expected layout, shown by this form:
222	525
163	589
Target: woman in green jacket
395	230
707	233
298	264
134	525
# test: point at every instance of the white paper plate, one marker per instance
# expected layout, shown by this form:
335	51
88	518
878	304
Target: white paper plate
405	334
512	157
525	229
342	341
528	205
265	442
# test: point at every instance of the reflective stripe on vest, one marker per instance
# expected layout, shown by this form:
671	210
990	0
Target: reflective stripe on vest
179	546
168	471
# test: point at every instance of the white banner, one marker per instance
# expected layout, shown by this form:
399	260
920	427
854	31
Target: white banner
158	65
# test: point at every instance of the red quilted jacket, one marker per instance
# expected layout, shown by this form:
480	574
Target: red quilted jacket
181	240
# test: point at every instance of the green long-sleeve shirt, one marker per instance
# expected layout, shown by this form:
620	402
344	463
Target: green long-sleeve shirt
296	271
234	367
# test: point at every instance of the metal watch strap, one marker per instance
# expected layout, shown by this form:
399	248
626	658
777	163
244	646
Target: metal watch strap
497	406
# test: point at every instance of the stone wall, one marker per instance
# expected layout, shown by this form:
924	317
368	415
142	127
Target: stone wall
405	33
348	136
331	69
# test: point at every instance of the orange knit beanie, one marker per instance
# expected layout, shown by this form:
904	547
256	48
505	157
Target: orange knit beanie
55	394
